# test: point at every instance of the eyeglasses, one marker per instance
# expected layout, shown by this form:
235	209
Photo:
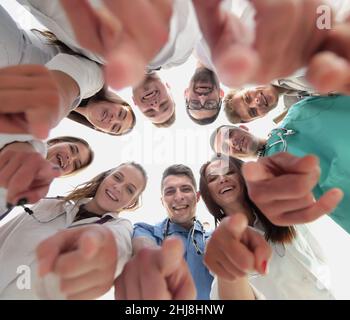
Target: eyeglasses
208	105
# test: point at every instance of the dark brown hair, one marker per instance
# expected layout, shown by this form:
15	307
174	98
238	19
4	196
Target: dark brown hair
89	188
69	139
272	232
179	170
103	95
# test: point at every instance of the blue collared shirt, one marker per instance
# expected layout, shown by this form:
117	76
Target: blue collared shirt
200	273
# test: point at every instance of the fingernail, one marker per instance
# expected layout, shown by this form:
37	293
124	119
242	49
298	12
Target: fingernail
9	206
264	267
22	202
58	168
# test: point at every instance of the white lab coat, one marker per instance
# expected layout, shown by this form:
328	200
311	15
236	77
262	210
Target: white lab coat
20	237
18	46
296	271
183	35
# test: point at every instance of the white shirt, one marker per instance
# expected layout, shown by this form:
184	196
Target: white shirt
20	237
296	271
183	35
87	73
242	10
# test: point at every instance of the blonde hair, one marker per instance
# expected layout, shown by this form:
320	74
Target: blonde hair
89	188
229	107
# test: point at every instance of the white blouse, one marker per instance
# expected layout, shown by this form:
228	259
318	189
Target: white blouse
21	235
296	271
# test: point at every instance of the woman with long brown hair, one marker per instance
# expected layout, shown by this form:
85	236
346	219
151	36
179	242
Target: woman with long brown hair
296	269
28	166
77	244
105	112
69	81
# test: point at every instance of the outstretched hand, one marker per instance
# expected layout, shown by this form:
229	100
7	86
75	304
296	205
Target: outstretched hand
127	34
281	187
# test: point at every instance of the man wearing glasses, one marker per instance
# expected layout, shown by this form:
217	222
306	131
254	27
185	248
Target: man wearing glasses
179	198
203	96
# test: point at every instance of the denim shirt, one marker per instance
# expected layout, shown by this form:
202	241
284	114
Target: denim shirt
200	273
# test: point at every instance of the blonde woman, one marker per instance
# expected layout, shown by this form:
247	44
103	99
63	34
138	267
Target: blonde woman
73	247
27	166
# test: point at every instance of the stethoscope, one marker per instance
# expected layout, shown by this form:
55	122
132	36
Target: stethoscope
31	213
281	134
194	241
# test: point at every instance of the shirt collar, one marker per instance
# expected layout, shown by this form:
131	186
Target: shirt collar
174	227
73	208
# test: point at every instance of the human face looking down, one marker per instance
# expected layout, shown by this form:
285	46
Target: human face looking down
203	95
153	99
236	142
251	104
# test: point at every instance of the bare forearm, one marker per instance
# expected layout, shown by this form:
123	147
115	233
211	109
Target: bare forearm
239	289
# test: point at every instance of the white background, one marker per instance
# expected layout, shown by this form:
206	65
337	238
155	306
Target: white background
185	142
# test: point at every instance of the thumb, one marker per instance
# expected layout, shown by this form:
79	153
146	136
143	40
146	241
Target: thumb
49	172
236	225
42	119
171	256
278	164
255	171
236	65
90	243
39	129
47	252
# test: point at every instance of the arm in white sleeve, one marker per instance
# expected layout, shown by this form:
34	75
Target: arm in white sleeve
122	230
86	73
38	145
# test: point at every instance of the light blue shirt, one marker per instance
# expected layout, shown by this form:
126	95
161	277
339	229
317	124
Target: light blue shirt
200	273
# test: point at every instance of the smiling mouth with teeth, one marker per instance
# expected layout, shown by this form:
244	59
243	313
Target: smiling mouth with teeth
203	89
180	207
111	196
150	95
60	161
265	100
226	189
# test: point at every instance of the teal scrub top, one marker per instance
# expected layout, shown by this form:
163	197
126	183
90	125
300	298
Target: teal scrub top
320	126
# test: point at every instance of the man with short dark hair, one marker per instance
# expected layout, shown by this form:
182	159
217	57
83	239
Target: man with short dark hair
203	96
179	198
155	101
